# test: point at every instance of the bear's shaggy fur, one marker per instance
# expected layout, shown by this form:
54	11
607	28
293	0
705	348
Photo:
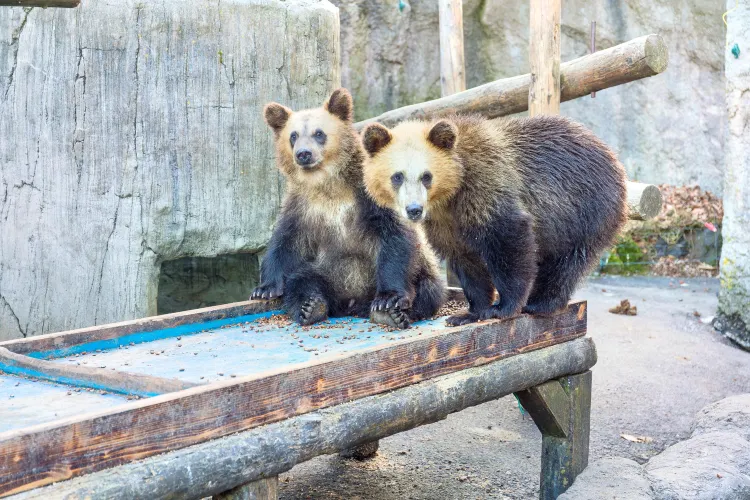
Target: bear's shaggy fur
524	206
333	251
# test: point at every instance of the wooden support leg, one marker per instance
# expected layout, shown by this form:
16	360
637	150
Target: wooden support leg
562	410
361	452
262	489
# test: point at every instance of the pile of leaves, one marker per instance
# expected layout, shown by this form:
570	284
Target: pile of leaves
661	245
687	206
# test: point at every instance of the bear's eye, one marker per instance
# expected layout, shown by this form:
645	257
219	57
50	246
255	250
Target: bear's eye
293	138
397	179
320	136
427	179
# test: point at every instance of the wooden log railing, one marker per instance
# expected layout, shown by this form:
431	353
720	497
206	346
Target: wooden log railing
639	58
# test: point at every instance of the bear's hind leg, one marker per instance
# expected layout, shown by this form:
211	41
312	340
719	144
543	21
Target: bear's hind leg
556	280
307	297
477	285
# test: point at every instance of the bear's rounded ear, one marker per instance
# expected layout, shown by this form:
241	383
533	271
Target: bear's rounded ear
276	116
443	134
340	104
375	137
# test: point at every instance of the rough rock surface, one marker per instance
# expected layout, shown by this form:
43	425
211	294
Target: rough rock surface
734	300
131	133
713	463
611	477
668	128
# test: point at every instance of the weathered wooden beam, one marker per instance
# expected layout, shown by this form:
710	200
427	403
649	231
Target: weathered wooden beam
92	378
222	464
644	201
639	58
544	57
60	450
40	3
262	489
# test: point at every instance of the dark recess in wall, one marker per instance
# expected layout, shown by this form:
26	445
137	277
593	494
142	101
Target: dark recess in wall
195	282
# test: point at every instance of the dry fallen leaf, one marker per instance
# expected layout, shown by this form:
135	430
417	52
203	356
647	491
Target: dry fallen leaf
636	439
624	308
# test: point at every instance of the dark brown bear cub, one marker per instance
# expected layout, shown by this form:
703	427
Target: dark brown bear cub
334	252
524	206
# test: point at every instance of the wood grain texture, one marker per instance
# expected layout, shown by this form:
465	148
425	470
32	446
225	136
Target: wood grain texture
544	57
62	340
639	58
644	201
219	465
452	67
49	453
93	378
40	3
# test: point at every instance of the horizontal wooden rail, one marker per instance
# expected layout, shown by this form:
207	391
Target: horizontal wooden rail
639	58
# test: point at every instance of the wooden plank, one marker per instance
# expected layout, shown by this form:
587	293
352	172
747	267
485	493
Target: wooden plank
215	466
563	458
262	489
544	57
93	378
639	58
189	320
452	70
48	453
549	406
40	3
644	201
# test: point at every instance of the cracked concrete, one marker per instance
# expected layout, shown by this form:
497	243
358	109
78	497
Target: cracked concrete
132	143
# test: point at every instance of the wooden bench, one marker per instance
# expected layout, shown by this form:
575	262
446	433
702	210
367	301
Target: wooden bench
274	395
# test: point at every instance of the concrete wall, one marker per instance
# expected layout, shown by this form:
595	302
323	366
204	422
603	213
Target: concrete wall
669	128
131	133
734	299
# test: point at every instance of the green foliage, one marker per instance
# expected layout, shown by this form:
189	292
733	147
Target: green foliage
625	258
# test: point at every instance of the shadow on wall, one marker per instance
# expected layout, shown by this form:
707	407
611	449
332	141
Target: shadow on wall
195	282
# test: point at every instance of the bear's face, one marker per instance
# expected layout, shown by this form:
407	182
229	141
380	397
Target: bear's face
411	168
309	141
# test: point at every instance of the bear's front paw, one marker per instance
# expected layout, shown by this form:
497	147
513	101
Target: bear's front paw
395	318
462	319
496	311
313	310
386	301
267	291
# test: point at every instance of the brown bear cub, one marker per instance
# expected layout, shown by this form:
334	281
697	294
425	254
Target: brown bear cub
524	206
334	252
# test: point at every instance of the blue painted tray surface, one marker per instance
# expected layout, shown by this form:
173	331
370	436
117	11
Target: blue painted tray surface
26	402
246	345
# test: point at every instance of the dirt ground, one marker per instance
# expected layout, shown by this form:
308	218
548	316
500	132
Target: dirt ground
655	371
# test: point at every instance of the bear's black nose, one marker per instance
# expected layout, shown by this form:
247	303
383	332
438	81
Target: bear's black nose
414	211
304	157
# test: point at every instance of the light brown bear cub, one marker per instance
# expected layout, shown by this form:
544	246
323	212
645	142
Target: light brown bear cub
524	206
333	251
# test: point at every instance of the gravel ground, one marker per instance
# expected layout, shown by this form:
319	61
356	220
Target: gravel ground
655	371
